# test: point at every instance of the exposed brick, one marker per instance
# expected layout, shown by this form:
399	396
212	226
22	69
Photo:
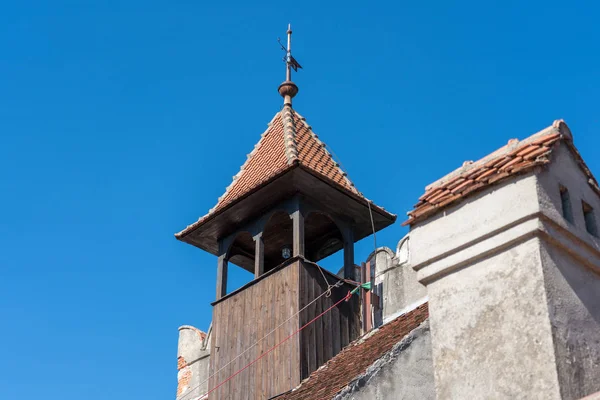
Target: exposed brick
183	376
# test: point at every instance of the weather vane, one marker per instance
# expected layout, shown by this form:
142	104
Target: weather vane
288	89
289	60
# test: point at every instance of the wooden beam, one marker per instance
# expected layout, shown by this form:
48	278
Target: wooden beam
259	256
367	298
349	254
298	219
221	276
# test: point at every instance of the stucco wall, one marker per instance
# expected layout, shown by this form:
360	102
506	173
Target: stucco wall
406	372
571	258
481	262
193	356
472	219
564	171
395	283
574	305
492	336
514	289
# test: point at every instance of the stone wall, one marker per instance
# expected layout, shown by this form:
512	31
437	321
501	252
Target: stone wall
193	356
571	261
514	288
396	283
481	262
405	373
492	336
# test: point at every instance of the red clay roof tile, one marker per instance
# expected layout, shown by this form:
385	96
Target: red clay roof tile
511	159
354	359
280	147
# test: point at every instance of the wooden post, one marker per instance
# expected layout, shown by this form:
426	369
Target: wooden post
298	219
259	256
349	254
363	317
221	276
367	301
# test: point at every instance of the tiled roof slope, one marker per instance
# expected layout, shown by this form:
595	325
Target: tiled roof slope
514	158
354	359
287	142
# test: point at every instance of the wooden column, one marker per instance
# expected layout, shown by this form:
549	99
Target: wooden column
349	254
259	256
298	219
222	276
368	323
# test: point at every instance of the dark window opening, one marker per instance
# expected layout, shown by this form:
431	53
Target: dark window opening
590	219
565	200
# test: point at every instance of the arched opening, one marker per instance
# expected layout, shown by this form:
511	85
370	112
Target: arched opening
277	234
241	253
402	250
323	241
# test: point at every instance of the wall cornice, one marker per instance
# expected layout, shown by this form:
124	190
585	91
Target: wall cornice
584	248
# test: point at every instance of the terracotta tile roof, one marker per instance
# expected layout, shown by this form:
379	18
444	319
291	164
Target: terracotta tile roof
288	142
594	396
354	359
514	158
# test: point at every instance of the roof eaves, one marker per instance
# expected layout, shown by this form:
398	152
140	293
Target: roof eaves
516	157
358	196
243	167
219	210
217	206
325	149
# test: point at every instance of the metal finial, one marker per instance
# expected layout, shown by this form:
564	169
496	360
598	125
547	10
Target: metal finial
288	89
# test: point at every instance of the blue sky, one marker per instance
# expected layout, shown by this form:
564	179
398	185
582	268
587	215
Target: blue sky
123	121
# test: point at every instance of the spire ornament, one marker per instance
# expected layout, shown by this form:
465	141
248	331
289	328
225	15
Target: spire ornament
288	89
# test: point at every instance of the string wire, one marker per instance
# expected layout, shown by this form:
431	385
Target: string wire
327	292
345	298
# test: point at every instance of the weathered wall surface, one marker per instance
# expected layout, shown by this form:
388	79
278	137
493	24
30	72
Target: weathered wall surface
471	221
406	372
570	257
193	356
396	282
564	171
514	289
492	336
574	304
481	261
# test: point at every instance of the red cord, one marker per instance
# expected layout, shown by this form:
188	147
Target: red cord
345	298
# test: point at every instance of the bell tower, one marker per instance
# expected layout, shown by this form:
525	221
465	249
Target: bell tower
290	206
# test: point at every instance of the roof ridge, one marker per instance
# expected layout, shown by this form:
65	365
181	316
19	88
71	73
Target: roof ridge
243	167
289	134
510	146
324	147
514	158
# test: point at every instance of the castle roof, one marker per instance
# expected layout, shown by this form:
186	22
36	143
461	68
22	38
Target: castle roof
354	359
283	146
516	157
288	144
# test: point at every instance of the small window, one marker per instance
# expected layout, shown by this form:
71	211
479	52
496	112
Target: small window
565	200
590	219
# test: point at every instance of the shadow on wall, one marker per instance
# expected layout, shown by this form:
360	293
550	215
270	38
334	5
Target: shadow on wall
395	282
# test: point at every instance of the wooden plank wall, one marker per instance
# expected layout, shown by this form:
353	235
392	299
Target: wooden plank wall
325	337
239	321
